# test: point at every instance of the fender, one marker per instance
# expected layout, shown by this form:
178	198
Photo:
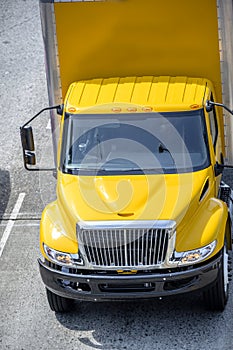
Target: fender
210	222
56	231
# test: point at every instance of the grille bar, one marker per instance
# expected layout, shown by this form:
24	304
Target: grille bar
125	247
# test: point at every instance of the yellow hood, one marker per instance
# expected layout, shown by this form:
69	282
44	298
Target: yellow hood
140	197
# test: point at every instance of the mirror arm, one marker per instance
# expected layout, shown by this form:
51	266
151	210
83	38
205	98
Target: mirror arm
212	103
226	166
58	107
38	169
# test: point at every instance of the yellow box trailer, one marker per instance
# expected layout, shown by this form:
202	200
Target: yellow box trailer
139	93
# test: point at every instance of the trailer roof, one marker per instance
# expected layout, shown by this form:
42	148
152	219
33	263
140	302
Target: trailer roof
161	93
136	38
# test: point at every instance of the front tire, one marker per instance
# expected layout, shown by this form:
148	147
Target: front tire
217	295
58	303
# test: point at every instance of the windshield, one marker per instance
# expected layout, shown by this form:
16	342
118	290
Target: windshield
134	143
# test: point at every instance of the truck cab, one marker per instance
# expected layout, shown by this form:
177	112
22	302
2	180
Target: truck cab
139	212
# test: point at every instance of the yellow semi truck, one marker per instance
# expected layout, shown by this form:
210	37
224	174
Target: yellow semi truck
139	93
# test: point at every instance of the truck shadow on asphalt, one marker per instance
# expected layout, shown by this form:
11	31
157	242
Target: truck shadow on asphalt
5	190
171	323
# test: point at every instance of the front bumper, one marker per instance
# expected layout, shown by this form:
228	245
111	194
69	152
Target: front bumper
97	287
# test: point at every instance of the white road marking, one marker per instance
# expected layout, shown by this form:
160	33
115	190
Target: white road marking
48	127
10	223
23	224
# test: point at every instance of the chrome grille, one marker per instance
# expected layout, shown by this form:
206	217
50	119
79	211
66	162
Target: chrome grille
125	247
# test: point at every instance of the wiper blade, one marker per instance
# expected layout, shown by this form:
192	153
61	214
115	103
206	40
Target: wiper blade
120	169
162	148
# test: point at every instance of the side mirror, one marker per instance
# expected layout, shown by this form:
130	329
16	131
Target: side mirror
27	140
28	146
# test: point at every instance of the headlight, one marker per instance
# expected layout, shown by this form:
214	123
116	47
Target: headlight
194	256
63	259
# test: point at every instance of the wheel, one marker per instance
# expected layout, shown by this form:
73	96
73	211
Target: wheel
58	303
217	295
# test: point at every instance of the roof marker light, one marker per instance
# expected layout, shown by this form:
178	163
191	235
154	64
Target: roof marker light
71	109
147	109
132	109
195	106
116	109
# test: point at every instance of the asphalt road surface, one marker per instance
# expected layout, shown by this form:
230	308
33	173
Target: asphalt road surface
26	321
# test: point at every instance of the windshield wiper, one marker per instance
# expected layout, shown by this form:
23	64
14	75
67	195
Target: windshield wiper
162	149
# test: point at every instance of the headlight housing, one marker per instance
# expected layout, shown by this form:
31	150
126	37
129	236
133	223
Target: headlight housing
193	256
63	259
